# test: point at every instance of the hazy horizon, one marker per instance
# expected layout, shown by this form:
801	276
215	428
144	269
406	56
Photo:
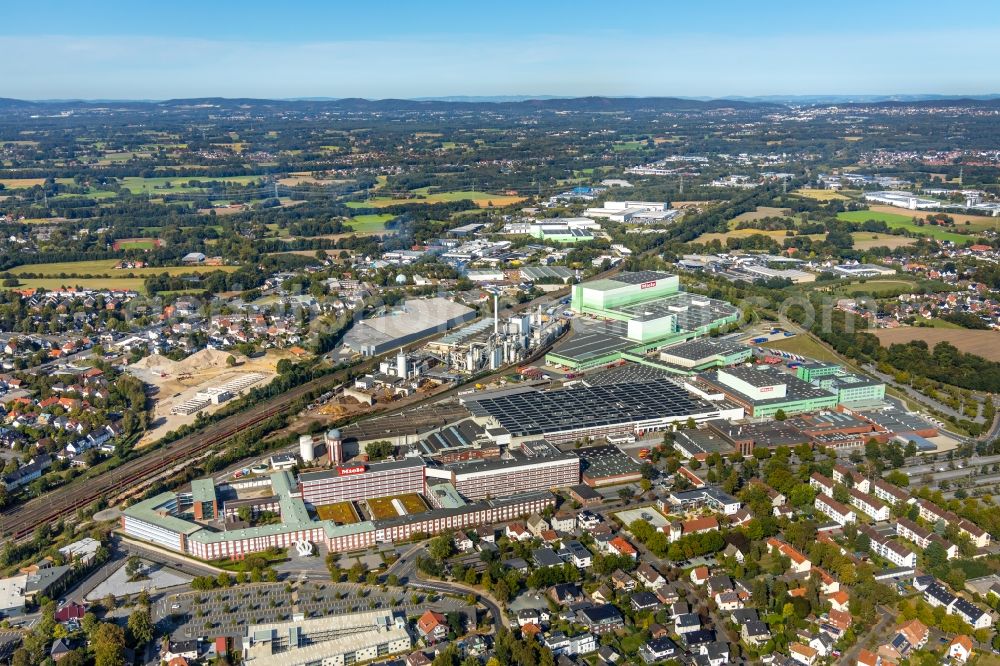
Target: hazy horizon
64	50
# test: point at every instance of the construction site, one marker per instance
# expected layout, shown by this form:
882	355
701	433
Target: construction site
200	383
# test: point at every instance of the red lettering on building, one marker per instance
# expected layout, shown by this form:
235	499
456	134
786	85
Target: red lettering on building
647	285
347	471
766	389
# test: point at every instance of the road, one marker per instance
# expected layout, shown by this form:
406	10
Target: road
850	658
406	569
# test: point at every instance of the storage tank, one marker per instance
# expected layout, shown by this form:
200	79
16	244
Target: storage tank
307	451
401	364
335	446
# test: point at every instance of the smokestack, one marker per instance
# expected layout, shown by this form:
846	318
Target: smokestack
496	315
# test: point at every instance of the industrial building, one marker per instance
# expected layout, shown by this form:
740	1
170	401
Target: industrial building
763	391
703	354
533	466
901	199
416	319
641	311
167	520
336	640
580	412
362	481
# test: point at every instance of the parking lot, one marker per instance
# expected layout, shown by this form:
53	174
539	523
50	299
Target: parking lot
228	612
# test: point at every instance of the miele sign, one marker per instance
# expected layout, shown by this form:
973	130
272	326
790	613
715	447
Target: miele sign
647	285
347	471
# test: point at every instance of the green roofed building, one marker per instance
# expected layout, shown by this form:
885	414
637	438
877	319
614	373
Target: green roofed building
641	311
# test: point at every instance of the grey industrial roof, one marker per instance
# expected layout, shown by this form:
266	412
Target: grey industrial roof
704	348
458	436
588	343
700	310
604	461
795	388
578	407
638	277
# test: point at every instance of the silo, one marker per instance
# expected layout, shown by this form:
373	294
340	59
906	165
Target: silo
306	449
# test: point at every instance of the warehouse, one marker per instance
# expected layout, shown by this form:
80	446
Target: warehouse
416	319
568	414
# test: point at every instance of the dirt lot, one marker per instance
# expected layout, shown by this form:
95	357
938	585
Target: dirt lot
864	240
981	343
177	382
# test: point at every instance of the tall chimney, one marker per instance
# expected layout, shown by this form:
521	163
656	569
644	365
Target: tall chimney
496	315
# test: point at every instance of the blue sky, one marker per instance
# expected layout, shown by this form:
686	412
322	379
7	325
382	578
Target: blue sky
157	50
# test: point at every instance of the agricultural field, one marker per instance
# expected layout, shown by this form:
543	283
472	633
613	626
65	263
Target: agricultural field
342	513
366	224
106	267
821	195
975	222
382	508
865	240
759	214
778	235
980	343
481	199
177	184
25	183
878	288
898	221
137	243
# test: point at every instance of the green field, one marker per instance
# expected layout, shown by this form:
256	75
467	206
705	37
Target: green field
175	184
370	223
137	244
481	199
874	287
55	283
804	346
105	267
897	221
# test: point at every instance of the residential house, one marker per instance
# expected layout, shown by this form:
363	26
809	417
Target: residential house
432	627
803	654
650	577
601	619
960	649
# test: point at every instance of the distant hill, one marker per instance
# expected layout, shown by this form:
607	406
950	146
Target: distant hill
510	104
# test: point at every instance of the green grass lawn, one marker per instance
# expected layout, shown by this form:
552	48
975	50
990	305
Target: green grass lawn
628	146
370	223
897	221
137	244
804	346
883	288
935	323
